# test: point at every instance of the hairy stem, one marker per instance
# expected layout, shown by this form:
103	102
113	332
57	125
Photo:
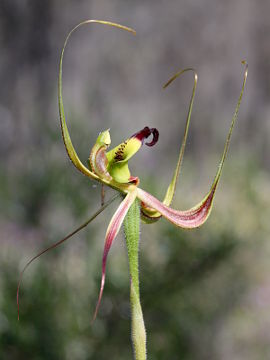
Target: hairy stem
132	234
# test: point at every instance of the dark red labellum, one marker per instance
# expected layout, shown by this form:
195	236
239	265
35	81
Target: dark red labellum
145	133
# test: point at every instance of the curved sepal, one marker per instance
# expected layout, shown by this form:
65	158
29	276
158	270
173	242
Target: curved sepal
171	188
65	133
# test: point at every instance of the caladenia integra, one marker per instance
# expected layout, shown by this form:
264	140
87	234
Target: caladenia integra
110	168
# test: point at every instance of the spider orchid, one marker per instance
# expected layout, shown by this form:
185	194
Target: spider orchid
110	168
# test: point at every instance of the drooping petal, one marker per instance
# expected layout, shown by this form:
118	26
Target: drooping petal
65	133
119	156
112	231
56	244
202	210
187	219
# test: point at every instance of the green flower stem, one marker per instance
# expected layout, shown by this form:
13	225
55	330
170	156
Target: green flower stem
132	234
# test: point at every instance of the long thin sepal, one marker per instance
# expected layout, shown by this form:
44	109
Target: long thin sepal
65	133
171	189
112	231
61	242
234	118
151	215
196	216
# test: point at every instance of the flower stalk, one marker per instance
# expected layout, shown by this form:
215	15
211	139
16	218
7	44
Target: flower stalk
132	235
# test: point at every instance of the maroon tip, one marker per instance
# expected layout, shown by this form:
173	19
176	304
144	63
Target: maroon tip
155	134
145	133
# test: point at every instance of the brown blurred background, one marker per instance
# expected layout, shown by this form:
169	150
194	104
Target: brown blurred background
205	293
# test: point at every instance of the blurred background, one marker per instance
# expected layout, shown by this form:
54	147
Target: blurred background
205	293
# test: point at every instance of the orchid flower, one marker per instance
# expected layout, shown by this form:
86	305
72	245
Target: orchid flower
111	168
